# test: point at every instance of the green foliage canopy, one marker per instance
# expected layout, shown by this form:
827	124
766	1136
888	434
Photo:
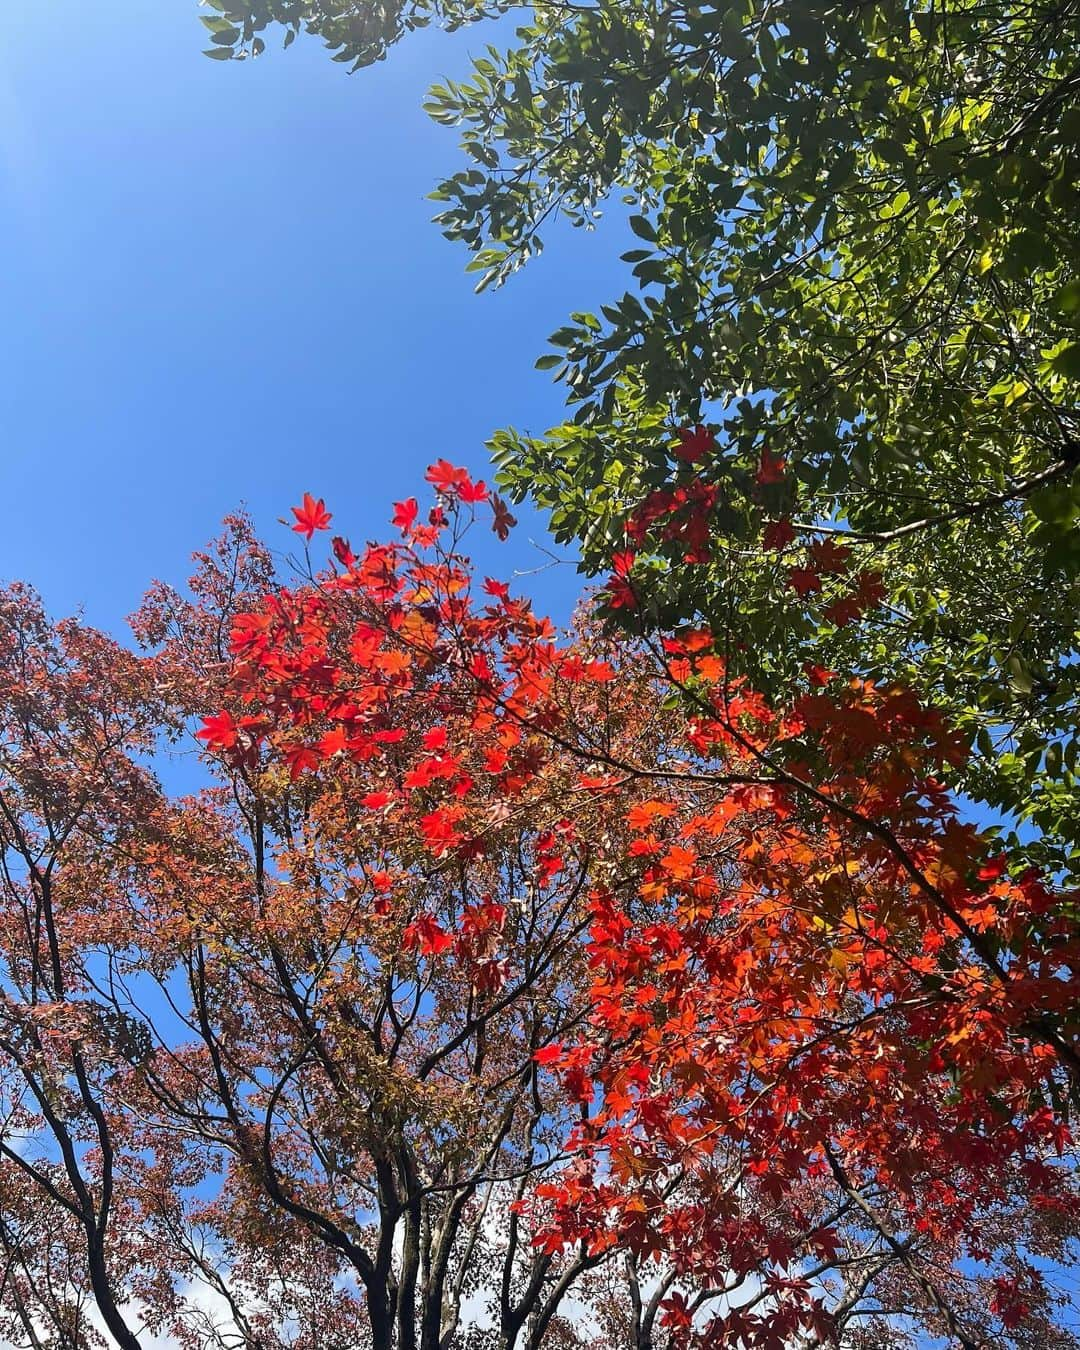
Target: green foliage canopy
857	253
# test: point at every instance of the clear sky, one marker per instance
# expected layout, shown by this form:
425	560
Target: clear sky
220	284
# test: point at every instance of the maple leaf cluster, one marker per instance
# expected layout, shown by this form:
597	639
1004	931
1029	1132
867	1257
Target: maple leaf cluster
681	515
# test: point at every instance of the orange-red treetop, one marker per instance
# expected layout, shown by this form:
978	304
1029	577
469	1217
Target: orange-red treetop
825	1034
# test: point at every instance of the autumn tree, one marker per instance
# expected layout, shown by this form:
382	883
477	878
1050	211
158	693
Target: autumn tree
856	262
267	1058
79	712
866	1032
507	989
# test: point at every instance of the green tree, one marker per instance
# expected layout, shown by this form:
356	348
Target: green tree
857	266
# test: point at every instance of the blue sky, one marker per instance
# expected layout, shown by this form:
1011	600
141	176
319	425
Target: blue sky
221	285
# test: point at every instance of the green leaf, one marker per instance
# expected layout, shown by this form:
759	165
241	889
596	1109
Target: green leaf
1067	361
1067	299
896	206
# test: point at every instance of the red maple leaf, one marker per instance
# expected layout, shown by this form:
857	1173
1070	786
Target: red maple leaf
778	534
643	814
405	514
469	491
218	731
992	870
299	758
446	477
818	675
342	551
804	581
620	594
830	557
694	444
844	611
426	936
333	742
504	521
870	589
771	469
311	516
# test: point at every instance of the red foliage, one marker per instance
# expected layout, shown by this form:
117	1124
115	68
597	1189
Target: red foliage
312	515
496	951
811	995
